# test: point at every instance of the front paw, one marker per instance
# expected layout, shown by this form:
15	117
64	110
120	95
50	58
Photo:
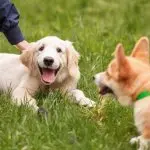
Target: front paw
87	102
144	144
135	140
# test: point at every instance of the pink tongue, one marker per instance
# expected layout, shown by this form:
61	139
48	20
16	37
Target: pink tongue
48	75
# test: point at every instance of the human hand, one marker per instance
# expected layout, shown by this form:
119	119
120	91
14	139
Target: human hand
23	45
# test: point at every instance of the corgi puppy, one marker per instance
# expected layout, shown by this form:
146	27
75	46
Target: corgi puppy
128	78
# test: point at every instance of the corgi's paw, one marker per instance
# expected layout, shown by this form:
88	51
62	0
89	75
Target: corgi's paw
142	143
135	140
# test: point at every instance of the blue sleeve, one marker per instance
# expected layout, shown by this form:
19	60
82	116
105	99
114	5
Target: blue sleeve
9	19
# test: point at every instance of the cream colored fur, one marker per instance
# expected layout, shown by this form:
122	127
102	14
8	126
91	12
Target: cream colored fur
20	73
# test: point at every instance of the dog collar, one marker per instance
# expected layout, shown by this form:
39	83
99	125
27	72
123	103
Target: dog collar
143	95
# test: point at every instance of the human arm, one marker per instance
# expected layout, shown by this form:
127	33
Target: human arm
9	19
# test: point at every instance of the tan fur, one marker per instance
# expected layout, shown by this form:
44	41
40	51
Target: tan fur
28	59
127	76
146	132
141	50
128	71
72	59
67	77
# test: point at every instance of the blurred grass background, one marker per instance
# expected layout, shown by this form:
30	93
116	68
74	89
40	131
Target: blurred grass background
95	27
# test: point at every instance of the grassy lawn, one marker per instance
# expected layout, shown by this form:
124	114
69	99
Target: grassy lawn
95	27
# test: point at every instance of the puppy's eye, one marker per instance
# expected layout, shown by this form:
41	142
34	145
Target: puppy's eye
41	48
58	50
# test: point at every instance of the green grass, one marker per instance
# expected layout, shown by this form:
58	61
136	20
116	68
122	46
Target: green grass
95	27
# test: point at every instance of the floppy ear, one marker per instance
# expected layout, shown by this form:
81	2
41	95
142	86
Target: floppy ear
27	58
141	50
123	65
72	59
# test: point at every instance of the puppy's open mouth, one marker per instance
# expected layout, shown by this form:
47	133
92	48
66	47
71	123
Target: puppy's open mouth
48	75
105	90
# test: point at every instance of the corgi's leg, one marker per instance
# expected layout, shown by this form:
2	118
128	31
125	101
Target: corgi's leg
135	140
143	143
145	138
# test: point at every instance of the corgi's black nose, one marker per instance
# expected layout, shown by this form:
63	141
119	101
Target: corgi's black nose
48	61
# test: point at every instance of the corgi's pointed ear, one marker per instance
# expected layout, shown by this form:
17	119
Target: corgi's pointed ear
119	54
141	50
123	65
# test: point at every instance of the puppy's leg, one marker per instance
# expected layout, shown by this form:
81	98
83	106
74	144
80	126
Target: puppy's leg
80	98
21	96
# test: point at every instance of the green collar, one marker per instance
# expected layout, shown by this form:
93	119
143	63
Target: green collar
143	95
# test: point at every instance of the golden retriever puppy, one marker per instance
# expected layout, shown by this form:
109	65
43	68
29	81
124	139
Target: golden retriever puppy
51	63
128	78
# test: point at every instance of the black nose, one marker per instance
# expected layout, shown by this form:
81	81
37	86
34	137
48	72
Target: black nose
48	61
93	77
